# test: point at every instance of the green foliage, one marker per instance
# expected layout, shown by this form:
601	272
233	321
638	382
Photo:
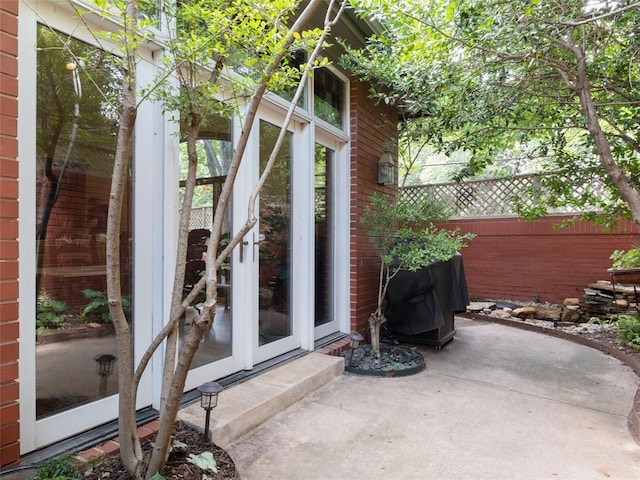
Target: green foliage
626	258
629	329
242	36
205	461
405	234
497	80
49	312
605	324
97	309
62	467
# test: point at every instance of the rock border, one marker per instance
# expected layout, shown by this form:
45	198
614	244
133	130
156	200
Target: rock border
633	420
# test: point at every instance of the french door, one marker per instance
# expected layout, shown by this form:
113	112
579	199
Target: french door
285	274
272	246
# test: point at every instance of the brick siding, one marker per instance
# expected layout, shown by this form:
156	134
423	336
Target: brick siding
511	259
9	410
373	127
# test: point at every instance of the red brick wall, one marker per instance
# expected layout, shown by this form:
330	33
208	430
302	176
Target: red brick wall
373	127
526	261
9	411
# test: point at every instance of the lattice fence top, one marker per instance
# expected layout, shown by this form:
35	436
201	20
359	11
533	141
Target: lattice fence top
201	217
489	198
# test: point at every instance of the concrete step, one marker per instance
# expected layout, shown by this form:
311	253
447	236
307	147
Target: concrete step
243	407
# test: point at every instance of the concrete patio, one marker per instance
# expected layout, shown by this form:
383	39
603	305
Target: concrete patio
496	403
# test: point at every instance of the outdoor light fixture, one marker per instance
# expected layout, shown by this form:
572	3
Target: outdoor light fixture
355	339
104	368
386	168
208	400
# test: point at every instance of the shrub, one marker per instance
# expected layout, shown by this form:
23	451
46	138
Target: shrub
629	329
626	258
98	307
49	312
62	467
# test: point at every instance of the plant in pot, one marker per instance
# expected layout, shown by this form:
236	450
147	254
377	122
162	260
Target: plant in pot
624	259
406	238
625	267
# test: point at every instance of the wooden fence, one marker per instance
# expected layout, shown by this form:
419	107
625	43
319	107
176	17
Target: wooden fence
501	196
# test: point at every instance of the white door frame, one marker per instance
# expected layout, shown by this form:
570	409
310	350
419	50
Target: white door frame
340	237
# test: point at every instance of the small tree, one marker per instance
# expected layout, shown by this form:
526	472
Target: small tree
213	36
406	239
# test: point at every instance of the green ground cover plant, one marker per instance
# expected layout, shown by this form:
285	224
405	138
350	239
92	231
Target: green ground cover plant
629	329
49	312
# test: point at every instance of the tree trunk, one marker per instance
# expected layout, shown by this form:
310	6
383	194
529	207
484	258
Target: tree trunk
175	374
629	192
130	448
376	320
177	308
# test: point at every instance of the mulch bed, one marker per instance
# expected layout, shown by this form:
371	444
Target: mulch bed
178	466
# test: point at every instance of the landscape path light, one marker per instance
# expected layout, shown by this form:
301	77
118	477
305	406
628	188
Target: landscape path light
104	368
208	400
355	339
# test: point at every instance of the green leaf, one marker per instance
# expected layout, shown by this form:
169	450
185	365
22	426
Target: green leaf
205	461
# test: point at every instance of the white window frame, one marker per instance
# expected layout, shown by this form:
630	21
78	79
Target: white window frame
148	155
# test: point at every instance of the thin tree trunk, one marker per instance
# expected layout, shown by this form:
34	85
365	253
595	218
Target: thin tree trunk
177	308
130	448
376	321
629	192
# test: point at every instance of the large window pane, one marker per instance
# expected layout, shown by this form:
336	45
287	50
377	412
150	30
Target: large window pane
324	227
214	158
78	89
328	97
275	239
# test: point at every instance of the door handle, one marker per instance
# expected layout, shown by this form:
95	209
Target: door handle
242	245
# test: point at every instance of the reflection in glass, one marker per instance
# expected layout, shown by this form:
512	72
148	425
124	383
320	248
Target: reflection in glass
328	97
324	227
78	90
214	158
275	250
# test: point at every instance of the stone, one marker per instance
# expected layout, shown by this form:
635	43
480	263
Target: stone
476	307
570	315
571	302
524	312
501	313
622	303
548	313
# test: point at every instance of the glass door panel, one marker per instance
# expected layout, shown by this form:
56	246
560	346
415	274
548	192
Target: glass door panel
274	240
323	227
214	157
325	322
